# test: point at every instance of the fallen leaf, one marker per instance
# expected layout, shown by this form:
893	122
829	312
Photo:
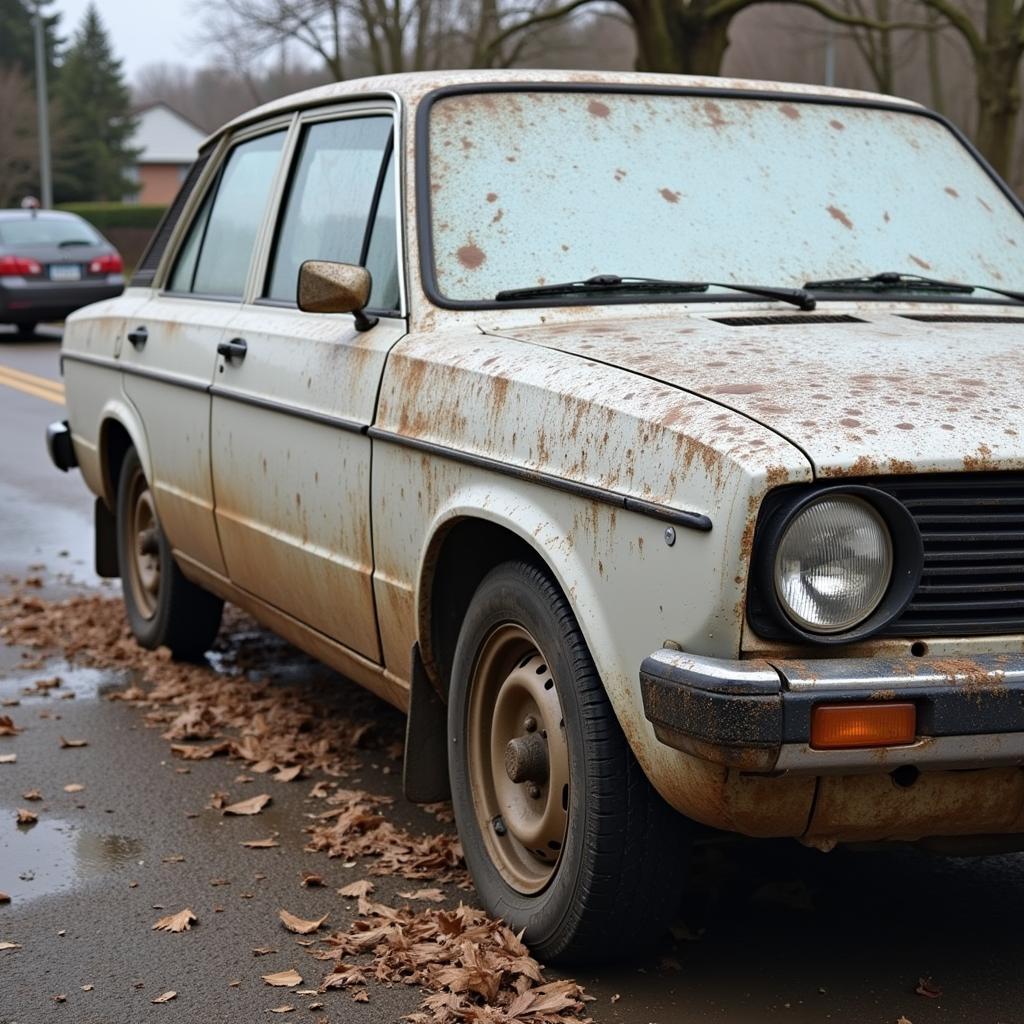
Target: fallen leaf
47	684
284	979
358	889
362	996
179	922
174	858
62	998
234	984
927	987
288	774
310	878
615	998
220	881
88	988
8	758
298	924
253	805
263	951
282	1009
195	752
32	794
902	1020
165	998
26	817
9	945
74	787
260	844
66	744
430	895
7	726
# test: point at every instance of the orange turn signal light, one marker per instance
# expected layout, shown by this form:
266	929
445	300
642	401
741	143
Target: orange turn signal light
849	726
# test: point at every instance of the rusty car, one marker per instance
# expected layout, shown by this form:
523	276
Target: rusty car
656	443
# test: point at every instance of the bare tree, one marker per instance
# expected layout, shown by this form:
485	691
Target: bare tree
18	142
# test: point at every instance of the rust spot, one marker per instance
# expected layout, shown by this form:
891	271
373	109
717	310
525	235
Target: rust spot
471	256
598	109
737	389
886	217
923	264
980	461
788	110
669	196
983	203
950	191
836	214
492	197
714	113
499	213
848	422
838	125
904	426
619	174
900	466
467	144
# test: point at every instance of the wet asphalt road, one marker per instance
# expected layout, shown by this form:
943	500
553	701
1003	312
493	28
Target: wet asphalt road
769	931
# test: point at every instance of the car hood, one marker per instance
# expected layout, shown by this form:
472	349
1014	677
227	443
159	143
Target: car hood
860	392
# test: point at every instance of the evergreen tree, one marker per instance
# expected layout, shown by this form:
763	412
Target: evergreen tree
17	44
93	156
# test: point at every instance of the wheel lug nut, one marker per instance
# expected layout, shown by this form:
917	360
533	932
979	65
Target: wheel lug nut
534	791
498	824
530	725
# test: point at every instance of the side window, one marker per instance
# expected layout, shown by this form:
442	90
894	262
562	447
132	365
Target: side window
330	204
215	257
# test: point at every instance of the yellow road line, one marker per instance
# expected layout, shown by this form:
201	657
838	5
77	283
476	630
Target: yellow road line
38	387
31	378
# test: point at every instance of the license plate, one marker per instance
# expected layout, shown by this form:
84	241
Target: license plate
65	272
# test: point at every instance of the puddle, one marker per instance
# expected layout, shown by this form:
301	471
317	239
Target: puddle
85	683
56	855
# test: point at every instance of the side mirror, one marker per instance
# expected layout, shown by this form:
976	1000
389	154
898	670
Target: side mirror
327	287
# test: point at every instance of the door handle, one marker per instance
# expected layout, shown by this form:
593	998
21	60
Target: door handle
138	337
234	350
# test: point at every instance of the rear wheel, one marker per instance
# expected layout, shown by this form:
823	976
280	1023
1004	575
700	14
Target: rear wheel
164	608
562	832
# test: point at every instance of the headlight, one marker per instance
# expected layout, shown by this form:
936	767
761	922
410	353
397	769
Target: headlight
833	564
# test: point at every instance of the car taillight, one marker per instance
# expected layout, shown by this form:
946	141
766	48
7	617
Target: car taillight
111	263
19	266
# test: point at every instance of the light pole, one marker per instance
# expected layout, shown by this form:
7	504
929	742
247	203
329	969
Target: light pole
42	108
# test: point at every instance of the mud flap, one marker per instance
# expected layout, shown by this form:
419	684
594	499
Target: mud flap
425	773
105	547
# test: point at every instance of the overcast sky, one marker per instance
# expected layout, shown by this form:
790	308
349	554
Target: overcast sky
141	31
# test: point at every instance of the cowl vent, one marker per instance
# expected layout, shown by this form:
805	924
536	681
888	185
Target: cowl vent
794	318
961	318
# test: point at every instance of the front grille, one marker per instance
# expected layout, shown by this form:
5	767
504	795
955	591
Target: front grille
972	526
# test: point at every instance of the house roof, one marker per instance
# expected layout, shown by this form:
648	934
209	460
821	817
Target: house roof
165	136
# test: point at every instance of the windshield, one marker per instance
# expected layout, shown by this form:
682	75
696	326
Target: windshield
47	230
529	188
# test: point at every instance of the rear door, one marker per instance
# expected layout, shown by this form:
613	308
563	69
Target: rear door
171	356
291	460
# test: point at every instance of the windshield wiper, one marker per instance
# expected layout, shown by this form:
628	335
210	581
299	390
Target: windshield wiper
603	283
893	281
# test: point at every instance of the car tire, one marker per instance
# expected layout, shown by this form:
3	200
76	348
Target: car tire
27	331
611	884
164	608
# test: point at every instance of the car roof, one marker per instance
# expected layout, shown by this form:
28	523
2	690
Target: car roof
411	87
18	214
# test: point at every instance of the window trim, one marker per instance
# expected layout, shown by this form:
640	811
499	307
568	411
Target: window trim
389	106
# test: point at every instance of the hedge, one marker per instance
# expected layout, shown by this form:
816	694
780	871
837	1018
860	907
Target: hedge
106	216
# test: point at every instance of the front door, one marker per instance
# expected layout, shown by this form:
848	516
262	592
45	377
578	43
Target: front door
293	398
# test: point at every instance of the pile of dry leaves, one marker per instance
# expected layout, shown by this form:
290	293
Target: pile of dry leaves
474	968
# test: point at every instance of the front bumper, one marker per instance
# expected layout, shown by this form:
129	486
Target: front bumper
756	716
59	445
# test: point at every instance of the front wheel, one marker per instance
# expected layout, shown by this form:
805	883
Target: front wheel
164	608
562	832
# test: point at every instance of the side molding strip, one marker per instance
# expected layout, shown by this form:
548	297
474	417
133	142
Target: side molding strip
677	517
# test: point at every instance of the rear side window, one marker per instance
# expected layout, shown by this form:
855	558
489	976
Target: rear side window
335	191
215	257
146	270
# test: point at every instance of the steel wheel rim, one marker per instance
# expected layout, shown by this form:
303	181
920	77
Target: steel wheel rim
143	541
521	795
